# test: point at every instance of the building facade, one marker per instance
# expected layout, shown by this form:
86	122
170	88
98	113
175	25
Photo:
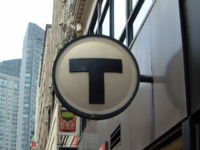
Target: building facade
162	35
31	60
9	97
66	25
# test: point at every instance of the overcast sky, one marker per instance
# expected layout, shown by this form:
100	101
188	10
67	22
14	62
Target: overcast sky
14	18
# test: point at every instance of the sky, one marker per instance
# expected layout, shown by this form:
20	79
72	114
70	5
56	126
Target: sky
14	18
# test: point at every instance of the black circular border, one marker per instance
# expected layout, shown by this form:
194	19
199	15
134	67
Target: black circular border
83	114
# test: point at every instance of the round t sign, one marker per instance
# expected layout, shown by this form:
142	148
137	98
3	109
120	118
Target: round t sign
95	77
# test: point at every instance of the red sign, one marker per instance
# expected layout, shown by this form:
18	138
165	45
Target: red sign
33	144
75	142
67	120
104	146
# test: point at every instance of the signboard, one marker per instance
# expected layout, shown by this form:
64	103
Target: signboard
33	144
104	146
67	120
95	77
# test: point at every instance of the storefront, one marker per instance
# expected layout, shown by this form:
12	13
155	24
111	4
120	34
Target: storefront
163	37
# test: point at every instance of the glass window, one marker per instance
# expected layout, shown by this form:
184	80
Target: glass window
95	27
125	42
106	24
27	85
119	17
134	2
103	5
141	16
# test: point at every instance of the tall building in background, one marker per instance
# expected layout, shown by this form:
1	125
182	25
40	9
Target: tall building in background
31	60
9	96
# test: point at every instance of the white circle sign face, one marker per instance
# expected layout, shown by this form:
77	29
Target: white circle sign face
95	77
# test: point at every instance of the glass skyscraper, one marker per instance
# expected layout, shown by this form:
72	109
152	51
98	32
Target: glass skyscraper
29	75
9	96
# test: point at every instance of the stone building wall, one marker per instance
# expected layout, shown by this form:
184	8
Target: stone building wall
70	19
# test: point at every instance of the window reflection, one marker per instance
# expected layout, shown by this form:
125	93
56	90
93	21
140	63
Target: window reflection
119	17
106	24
